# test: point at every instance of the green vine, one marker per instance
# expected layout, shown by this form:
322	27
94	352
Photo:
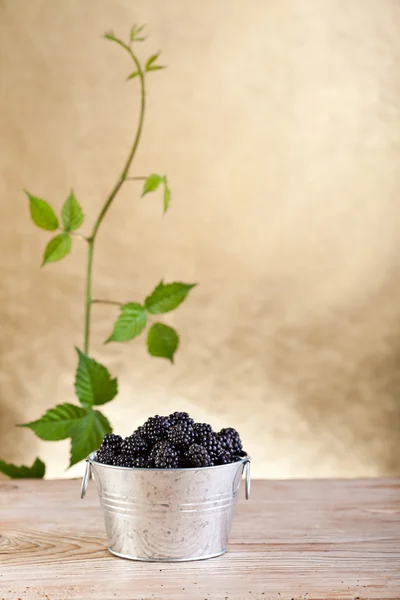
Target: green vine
94	386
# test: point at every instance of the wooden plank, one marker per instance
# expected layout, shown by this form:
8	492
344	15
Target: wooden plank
305	540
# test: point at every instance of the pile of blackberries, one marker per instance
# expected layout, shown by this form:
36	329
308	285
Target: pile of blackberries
172	442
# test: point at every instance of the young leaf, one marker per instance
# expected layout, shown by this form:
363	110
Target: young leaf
109	35
132	75
167	195
42	214
57	422
151	183
130	323
88	434
150	66
155	68
57	248
135	33
167	297
93	383
72	214
162	341
36	471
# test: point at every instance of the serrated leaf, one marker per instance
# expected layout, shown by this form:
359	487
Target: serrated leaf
132	75
167	195
162	341
168	296
42	214
57	248
93	382
151	184
88	434
57	422
130	323
72	214
36	471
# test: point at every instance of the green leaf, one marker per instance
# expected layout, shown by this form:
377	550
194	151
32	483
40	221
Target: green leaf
167	195
93	383
72	214
57	422
150	66
109	35
152	183
57	248
88	434
133	36
167	297
42	214
155	68
36	471
130	323
132	75
162	341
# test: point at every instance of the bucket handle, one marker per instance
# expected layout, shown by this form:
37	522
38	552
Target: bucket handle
246	468
85	479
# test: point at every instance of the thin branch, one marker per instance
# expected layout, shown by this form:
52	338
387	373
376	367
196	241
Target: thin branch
113	302
113	193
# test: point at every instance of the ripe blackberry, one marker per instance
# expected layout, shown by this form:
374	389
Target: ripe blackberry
135	445
122	460
166	457
140	462
225	458
197	456
156	428
238	456
181	435
158	446
211	443
176	417
111	442
201	429
230	440
105	456
139	431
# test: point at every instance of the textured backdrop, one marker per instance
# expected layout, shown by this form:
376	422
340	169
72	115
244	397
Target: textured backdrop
278	125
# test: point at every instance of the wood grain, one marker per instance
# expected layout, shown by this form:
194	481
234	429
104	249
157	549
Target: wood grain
308	540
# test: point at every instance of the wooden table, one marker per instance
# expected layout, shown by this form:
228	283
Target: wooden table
293	539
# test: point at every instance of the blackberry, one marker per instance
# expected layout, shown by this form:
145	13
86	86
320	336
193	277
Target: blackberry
156	428
123	461
139	431
105	456
201	429
140	462
238	456
111	442
158	446
181	435
166	457
135	445
197	456
225	458
176	417
230	440
211	443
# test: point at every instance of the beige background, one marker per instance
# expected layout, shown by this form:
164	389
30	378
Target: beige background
277	123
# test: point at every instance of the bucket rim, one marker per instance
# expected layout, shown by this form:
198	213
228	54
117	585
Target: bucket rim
92	459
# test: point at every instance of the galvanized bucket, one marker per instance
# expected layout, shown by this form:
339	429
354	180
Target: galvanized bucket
167	514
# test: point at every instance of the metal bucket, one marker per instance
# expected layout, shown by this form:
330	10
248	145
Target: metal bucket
167	514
